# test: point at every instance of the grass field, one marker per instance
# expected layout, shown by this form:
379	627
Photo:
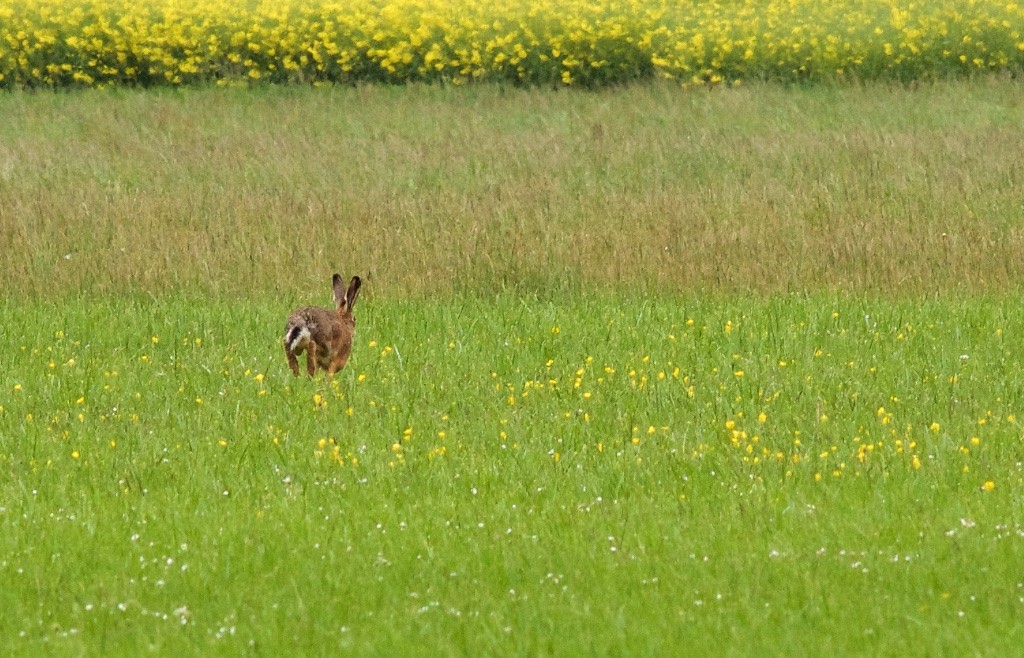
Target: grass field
643	371
782	475
430	190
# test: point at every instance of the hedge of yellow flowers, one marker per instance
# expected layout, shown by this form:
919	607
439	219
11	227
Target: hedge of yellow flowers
61	43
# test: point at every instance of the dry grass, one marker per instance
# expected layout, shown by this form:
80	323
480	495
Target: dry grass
432	190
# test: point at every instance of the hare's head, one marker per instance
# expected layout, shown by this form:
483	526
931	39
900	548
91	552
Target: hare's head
346	297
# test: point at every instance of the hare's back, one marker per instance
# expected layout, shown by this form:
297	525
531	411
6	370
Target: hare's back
314	318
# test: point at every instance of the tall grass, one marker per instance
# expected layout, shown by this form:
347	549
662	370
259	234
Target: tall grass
787	475
433	190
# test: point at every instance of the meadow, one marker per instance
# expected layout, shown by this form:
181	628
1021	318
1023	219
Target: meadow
760	475
428	190
642	371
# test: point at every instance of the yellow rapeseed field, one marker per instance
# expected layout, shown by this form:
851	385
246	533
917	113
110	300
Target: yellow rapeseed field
59	43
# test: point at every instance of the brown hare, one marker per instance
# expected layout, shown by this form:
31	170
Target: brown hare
325	335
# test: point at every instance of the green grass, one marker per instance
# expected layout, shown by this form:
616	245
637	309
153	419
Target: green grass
637	372
605	481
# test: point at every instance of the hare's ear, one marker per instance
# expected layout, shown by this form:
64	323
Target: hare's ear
353	291
339	290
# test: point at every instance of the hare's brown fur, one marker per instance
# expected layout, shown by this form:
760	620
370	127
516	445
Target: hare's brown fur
325	335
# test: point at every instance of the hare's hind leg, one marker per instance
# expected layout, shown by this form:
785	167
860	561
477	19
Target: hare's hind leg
311	350
293	363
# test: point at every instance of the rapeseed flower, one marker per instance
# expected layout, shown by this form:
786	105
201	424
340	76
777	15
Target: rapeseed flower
57	43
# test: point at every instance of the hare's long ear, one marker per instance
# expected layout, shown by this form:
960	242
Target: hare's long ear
353	291
339	290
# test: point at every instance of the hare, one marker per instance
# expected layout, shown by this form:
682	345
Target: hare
325	335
